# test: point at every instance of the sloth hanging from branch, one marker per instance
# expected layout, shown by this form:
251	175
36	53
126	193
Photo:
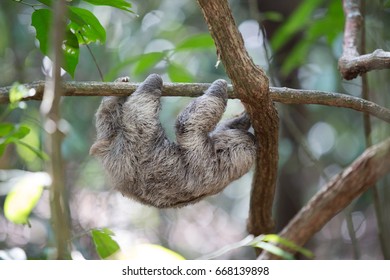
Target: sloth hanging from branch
144	165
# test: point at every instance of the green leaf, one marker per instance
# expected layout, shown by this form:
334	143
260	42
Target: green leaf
329	25
296	56
6	128
21	132
24	195
85	24
272	16
274	250
71	51
29	149
277	239
46	2
120	4
41	21
42	155
179	74
11	134
17	93
114	71
2	148
147	61
296	22
105	245
196	41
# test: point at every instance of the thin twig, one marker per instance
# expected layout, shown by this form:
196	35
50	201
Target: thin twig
93	58
352	232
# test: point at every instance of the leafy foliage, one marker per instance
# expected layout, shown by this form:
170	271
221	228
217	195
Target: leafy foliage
14	133
177	73
82	28
120	4
267	242
328	24
147	61
105	245
86	26
24	195
197	41
10	133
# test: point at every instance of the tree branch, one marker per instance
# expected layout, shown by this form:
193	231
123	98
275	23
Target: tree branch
351	63
341	190
282	95
252	87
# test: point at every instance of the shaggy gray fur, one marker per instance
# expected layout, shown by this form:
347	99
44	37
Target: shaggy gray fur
144	165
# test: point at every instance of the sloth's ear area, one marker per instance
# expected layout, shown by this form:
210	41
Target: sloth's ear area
152	84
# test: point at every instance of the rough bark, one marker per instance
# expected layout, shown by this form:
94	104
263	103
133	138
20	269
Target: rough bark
283	95
252	88
351	63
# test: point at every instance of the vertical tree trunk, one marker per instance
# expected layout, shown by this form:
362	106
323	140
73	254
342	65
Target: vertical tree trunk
252	87
50	109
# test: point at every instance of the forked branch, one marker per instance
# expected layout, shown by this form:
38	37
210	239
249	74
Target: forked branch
351	63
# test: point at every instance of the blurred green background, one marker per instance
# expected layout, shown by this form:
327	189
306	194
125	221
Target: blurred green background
299	48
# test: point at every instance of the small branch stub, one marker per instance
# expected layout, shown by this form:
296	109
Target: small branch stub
351	63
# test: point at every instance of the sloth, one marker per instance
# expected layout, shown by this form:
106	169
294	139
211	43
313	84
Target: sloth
144	165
